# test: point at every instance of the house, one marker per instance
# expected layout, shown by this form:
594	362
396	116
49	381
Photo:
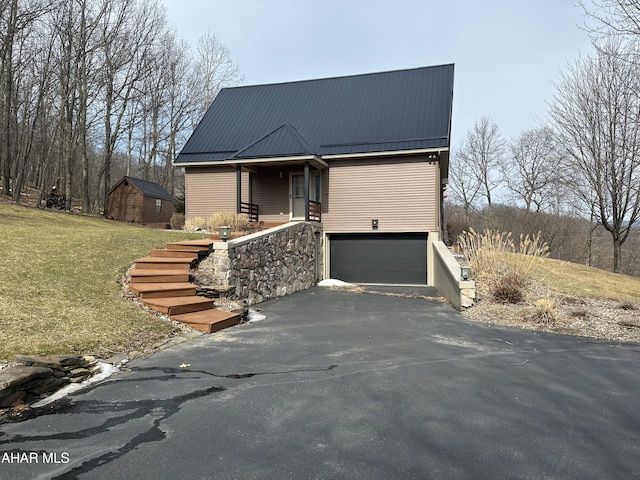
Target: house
139	201
365	156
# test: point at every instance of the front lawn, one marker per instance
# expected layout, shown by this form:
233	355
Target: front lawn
61	281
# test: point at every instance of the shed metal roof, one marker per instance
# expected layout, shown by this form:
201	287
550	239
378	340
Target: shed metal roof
148	189
376	112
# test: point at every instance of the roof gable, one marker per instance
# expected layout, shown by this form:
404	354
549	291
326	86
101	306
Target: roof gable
378	112
284	141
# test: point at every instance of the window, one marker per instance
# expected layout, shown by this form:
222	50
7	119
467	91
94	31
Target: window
158	205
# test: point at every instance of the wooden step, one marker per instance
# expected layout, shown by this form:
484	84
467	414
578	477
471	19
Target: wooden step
205	245
178	305
164	263
208	321
159	276
162	290
234	235
175	253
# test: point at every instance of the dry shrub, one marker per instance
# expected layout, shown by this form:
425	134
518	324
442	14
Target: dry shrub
177	221
546	310
504	267
507	288
237	221
195	224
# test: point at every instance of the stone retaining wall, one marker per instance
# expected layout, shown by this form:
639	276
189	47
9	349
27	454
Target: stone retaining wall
38	376
269	264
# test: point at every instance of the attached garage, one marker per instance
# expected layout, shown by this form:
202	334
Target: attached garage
392	258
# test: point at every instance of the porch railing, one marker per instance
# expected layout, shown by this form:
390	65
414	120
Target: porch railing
315	211
250	210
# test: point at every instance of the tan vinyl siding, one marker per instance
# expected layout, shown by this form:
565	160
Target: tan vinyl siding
212	189
271	194
402	194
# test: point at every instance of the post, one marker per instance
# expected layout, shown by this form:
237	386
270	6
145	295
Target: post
238	189
306	191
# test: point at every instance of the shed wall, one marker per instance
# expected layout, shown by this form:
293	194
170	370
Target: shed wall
149	213
126	204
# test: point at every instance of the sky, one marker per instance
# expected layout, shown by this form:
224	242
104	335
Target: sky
507	53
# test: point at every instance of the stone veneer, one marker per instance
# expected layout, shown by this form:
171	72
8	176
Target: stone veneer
271	263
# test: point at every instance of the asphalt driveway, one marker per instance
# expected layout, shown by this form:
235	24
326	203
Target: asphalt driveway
345	385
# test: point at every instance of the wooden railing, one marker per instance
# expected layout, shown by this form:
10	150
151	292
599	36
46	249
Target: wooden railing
249	209
315	211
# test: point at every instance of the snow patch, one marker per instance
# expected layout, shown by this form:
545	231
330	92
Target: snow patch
332	282
106	370
255	316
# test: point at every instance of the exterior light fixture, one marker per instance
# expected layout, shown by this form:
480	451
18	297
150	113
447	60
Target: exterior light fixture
465	273
224	232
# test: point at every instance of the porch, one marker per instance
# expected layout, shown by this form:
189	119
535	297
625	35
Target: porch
281	190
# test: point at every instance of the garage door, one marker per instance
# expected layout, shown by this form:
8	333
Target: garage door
379	257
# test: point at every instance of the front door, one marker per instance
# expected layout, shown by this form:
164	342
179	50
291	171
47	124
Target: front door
296	193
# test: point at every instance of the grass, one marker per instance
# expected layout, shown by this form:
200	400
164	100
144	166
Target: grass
490	252
61	284
582	281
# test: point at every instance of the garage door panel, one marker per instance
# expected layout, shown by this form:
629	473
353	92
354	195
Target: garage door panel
379	258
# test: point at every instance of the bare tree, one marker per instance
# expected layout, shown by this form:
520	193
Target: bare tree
128	36
214	69
596	113
16	20
480	155
464	185
531	171
85	84
612	17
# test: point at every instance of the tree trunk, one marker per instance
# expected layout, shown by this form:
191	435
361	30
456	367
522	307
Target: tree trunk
617	254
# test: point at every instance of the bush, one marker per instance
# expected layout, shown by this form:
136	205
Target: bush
237	221
499	264
546	310
179	204
507	288
177	221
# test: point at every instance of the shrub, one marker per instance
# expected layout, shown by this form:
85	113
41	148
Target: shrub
546	310
502	266
507	288
179	204
237	221
177	221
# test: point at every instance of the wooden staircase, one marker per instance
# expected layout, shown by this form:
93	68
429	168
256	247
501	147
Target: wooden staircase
161	281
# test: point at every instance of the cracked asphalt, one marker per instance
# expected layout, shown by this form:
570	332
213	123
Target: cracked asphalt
346	385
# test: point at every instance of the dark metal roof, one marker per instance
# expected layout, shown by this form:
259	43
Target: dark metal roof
376	112
148	189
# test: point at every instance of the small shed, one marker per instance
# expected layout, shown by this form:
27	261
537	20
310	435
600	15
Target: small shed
139	201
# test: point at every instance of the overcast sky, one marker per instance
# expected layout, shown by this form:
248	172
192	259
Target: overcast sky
506	52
